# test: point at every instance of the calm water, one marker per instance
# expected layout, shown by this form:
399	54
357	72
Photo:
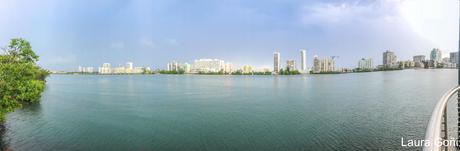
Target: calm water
365	111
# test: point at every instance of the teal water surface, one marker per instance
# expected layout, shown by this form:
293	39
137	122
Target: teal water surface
359	111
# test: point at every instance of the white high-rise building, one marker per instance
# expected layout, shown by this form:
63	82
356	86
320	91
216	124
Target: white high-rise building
389	59
276	62
365	64
208	65
323	65
303	60
173	66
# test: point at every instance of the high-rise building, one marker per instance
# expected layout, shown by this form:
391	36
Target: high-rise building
454	57
389	59
276	62
365	64
173	66
436	55
323	65
303	60
290	65
208	65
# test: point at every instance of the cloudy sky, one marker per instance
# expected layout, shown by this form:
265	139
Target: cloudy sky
152	32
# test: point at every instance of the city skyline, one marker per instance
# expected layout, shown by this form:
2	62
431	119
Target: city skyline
70	33
327	63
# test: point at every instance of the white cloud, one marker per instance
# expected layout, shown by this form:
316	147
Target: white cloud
434	21
347	12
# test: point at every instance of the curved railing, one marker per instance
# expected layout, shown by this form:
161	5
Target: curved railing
437	127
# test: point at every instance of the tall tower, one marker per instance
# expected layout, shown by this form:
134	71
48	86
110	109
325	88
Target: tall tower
303	60
276	62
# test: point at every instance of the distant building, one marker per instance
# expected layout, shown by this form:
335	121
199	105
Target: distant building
129	65
228	69
436	55
185	67
105	69
290	65
419	61
127	69
389	59
454	58
246	69
276	62
303	60
173	66
208	65
365	64
407	64
419	58
85	69
323	65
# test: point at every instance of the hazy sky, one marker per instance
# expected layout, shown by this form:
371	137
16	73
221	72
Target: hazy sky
68	33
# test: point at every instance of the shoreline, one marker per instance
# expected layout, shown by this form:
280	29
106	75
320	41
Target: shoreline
332	73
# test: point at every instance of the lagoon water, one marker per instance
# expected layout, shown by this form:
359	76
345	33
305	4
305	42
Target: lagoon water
358	111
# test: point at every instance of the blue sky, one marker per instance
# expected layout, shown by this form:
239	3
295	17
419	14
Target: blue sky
69	33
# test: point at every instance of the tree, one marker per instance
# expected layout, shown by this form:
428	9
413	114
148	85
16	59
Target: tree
21	79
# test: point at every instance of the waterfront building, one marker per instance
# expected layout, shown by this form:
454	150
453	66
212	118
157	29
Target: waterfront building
228	69
303	60
447	64
454	58
105	69
419	61
290	65
276	62
208	65
128	68
407	64
173	66
129	65
436	55
323	65
246	69
389	59
419	58
365	64
85	69
185	67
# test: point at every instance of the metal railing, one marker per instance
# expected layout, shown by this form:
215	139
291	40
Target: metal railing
437	127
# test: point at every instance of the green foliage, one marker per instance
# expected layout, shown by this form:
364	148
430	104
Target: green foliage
21	80
171	72
240	72
362	70
289	72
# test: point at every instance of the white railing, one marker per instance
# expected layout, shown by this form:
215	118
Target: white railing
438	123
